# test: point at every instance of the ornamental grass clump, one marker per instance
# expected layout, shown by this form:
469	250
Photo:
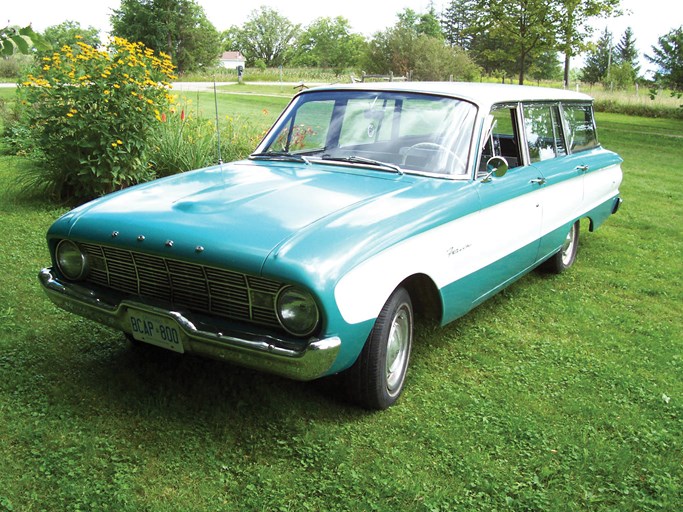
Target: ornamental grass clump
183	142
92	114
186	141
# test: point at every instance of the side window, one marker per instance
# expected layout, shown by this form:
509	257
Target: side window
504	139
543	132
580	127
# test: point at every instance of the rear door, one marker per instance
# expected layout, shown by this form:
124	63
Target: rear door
560	177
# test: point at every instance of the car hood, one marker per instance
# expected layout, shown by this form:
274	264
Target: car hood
231	215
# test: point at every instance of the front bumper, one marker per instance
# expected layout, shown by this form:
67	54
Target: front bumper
261	352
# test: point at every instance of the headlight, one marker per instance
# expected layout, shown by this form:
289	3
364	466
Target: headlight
70	260
297	311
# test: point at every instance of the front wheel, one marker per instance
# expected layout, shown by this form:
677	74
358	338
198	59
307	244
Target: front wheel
564	258
376	379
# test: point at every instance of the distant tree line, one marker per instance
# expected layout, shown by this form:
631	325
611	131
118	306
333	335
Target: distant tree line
508	39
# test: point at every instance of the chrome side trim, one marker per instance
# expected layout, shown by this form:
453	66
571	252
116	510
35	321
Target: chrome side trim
258	351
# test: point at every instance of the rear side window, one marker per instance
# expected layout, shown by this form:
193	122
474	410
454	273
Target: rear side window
580	127
543	132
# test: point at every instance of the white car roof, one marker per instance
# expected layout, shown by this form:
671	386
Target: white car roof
483	94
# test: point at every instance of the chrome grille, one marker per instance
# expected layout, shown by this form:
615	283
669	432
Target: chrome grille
224	293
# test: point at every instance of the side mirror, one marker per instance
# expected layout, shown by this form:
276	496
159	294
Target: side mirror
496	166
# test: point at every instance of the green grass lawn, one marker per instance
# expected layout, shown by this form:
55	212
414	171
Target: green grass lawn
561	393
263	109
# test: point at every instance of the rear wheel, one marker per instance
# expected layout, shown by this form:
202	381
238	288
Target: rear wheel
376	379
565	257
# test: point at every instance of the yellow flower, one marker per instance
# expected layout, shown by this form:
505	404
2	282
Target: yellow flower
113	144
117	86
69	114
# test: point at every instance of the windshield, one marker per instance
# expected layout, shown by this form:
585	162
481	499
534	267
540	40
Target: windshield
390	130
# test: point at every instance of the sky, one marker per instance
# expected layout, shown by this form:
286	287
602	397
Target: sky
649	19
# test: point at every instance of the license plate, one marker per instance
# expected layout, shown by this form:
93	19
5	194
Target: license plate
155	330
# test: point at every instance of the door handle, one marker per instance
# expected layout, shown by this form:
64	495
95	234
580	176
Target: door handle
540	181
582	168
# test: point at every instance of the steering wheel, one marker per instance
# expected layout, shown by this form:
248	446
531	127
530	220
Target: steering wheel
433	145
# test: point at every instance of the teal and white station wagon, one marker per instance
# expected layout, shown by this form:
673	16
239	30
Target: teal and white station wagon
365	207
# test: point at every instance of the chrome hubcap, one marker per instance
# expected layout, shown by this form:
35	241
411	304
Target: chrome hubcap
568	246
398	349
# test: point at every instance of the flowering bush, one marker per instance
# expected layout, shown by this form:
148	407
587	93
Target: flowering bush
92	113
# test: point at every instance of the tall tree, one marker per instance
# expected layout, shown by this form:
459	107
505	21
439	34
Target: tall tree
526	27
409	46
177	27
428	24
329	43
490	49
229	38
626	57
599	60
267	36
667	55
456	23
68	32
546	66
626	48
573	30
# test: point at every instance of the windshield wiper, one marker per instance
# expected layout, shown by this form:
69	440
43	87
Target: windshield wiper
366	161
279	155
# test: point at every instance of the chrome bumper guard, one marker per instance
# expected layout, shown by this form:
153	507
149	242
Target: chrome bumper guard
258	351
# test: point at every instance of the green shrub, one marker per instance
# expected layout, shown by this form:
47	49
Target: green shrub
92	114
13	67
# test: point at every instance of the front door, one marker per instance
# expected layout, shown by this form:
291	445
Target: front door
511	208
